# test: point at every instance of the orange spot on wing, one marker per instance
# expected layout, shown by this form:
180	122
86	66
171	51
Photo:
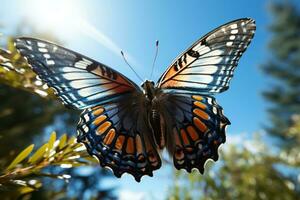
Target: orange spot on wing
98	111
119	142
201	113
200	125
103	127
130	145
99	119
109	137
184	137
197	97
199	104
193	133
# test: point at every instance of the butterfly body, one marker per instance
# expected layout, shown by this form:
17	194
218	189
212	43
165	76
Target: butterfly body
152	95
126	126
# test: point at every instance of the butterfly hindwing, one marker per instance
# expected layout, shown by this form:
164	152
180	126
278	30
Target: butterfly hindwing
78	81
198	129
208	65
116	133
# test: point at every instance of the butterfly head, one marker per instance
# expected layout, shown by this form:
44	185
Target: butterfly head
147	84
148	87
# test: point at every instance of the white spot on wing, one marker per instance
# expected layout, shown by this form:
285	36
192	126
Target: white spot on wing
47	55
86	117
50	62
232	37
40	44
235	31
85	128
229	44
209	101
43	50
216	52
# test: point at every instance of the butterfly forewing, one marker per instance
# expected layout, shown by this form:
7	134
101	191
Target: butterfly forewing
78	81
208	65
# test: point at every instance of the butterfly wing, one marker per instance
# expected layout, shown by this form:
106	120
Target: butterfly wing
78	81
197	127
208	65
118	135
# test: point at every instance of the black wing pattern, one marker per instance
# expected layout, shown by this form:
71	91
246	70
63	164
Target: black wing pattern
208	65
78	81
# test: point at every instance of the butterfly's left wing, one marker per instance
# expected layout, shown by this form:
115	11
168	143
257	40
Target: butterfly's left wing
80	82
208	65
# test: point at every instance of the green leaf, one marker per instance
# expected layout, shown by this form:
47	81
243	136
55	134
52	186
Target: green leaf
51	141
72	140
25	190
38	154
21	156
62	141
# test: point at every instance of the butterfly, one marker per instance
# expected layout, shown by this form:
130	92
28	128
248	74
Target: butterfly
126	126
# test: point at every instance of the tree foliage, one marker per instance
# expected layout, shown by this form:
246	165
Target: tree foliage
284	67
23	174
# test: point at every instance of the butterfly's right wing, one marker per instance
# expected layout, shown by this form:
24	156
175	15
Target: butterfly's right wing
208	65
77	80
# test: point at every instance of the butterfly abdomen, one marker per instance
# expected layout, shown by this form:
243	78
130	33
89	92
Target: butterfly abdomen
155	123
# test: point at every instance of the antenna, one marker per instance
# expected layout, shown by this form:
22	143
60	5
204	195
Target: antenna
130	66
156	52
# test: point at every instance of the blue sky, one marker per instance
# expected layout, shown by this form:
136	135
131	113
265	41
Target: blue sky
100	29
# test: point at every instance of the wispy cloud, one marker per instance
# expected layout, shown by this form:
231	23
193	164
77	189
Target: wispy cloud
94	33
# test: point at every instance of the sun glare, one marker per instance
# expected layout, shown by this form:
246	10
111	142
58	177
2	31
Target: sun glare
57	15
66	17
